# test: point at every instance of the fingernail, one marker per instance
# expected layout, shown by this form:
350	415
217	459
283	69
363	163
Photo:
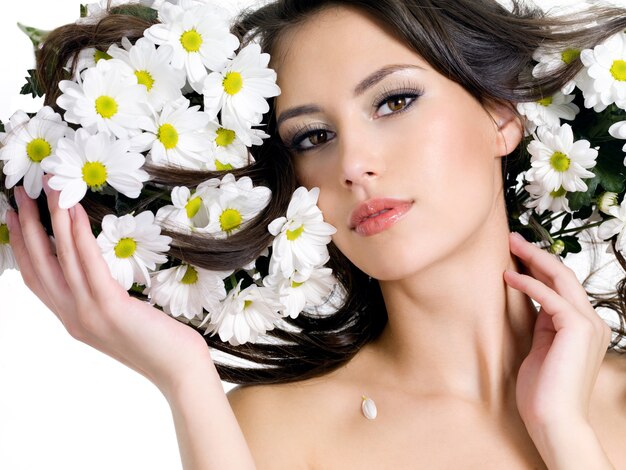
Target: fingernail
517	236
72	212
46	188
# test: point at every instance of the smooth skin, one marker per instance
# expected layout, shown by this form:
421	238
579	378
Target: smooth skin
75	283
555	380
366	117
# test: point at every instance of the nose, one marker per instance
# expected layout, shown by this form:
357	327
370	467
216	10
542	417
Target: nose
360	159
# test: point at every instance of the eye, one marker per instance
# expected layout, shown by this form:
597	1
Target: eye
395	104
309	138
396	100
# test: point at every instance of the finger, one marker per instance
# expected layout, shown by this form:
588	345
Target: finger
96	269
45	264
544	332
67	254
24	263
562	312
550	270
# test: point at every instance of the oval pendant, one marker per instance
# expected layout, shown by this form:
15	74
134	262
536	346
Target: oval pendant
368	407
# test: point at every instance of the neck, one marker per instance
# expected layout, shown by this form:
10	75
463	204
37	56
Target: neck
456	329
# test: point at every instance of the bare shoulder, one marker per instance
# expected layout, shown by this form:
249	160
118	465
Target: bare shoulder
607	411
278	422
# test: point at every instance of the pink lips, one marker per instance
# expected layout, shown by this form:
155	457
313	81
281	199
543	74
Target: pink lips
376	215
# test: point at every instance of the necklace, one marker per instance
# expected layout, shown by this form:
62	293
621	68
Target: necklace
368	407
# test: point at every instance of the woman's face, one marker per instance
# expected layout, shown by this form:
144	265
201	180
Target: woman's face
375	127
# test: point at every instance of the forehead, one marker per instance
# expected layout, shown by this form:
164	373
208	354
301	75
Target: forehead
336	48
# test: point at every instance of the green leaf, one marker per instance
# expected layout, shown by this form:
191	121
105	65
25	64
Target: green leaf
571	245
139	11
610	168
578	199
2	129
584	213
83	11
36	35
32	85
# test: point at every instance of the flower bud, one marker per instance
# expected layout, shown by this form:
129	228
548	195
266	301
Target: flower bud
606	200
557	247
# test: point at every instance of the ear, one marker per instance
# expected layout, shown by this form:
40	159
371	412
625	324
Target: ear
509	129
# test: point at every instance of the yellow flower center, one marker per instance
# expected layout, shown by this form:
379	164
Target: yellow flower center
546	101
246	304
295	234
570	55
558	193
125	248
106	107
618	70
38	149
191	40
295	284
100	55
559	161
219	166
193	206
230	220
4	234
94	174
145	78
225	137
190	277
168	136
232	83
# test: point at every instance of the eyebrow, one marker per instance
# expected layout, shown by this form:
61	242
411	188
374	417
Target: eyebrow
364	85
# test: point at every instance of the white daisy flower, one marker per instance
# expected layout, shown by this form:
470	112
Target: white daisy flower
229	151
606	200
177	136
90	161
109	100
187	290
131	246
7	258
615	225
241	89
301	237
245	130
188	212
557	161
151	66
245	314
606	67
542	200
199	37
27	143
549	111
618	130
550	62
233	203
300	292
86	59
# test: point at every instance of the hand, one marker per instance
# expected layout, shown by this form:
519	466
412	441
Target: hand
76	285
556	379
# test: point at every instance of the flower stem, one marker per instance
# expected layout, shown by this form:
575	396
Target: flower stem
233	281
577	229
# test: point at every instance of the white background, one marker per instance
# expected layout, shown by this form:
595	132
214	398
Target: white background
64	405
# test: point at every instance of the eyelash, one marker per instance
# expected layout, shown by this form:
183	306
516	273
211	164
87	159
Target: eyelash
304	132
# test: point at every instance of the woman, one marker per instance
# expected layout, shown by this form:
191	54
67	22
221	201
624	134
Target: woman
374	112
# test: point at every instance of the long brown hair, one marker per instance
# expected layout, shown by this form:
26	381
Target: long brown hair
477	43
